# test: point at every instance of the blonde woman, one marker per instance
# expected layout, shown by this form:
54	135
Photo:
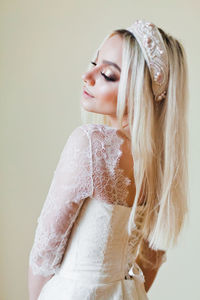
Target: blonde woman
118	198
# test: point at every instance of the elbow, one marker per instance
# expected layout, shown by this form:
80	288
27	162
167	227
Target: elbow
35	284
31	285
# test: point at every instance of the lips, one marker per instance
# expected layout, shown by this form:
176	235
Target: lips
87	92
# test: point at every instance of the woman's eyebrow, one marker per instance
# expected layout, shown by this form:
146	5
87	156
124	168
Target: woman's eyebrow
109	63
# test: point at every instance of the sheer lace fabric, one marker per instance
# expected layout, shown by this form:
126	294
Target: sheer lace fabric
93	264
88	168
110	184
72	183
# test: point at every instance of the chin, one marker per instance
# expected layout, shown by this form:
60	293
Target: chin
92	107
87	108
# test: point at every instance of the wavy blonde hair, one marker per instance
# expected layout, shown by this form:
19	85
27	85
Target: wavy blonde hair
159	138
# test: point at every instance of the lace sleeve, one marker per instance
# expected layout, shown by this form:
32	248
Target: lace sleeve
71	184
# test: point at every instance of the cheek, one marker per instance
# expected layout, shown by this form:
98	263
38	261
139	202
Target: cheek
109	93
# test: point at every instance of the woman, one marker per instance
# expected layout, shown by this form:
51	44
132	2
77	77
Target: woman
118	197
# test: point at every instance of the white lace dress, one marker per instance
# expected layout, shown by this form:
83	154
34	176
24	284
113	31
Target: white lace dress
81	236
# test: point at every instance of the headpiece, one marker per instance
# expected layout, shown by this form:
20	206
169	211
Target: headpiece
155	54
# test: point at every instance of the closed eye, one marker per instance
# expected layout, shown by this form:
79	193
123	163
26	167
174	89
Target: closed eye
106	77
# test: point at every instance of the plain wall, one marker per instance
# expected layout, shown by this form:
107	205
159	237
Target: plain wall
45	46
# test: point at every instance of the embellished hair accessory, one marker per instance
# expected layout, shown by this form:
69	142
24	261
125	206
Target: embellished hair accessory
155	53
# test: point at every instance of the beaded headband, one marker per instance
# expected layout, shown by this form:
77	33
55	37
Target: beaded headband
155	54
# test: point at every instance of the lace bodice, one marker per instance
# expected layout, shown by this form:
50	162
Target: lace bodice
88	167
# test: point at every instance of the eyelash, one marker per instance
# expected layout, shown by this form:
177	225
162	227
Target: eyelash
106	77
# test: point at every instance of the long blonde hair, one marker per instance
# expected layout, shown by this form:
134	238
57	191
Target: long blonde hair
159	139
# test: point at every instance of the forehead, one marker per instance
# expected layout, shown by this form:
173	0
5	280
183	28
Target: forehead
111	50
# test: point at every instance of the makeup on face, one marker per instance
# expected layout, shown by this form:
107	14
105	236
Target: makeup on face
107	62
107	72
101	81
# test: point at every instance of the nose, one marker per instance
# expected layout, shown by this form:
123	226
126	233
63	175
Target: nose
88	78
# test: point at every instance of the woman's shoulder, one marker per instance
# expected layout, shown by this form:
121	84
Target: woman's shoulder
94	126
97	136
81	135
90	128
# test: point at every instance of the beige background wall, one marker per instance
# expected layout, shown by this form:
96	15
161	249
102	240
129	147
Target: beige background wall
45	46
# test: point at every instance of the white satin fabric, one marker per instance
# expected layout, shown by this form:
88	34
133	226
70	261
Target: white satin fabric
93	266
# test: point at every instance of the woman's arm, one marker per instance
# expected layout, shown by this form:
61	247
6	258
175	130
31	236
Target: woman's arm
149	274
72	183
149	261
35	284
